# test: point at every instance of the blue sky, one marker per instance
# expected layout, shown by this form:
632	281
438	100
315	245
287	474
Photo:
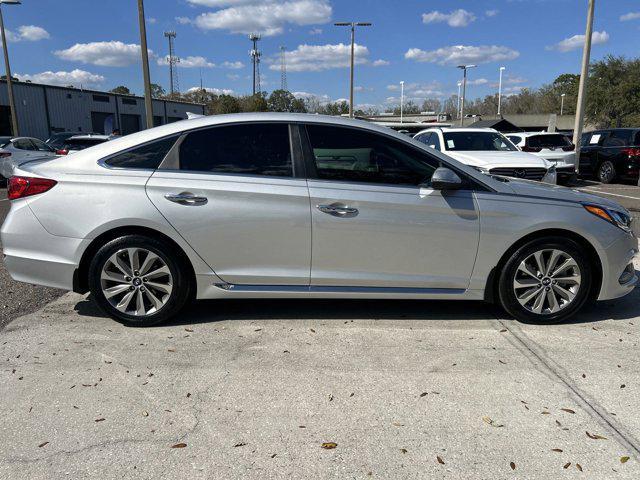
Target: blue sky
96	43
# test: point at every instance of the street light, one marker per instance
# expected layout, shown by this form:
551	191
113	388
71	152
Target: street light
401	99
500	89
12	103
145	65
464	68
353	26
458	110
562	103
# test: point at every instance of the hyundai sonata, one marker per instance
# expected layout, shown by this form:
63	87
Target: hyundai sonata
306	206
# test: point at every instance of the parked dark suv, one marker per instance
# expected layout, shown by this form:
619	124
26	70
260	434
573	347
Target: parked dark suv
611	154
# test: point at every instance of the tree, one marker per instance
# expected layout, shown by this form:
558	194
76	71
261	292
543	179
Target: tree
157	91
254	103
284	101
121	89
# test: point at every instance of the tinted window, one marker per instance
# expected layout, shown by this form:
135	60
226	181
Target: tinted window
253	149
41	146
477	141
23	144
435	141
515	139
637	139
424	138
617	138
146	156
359	156
546	141
82	143
4	141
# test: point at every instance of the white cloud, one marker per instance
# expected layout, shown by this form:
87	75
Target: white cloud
232	65
380	63
183	20
315	31
103	54
577	41
456	18
491	13
188	62
27	33
324	98
478	81
418	90
75	78
315	58
152	20
215	91
268	17
462	54
233	76
630	16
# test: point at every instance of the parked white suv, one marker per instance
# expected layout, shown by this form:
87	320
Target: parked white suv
488	151
554	147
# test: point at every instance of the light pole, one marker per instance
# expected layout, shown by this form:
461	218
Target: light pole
562	103
458	110
464	90
145	65
353	26
401	100
12	102
500	90
582	89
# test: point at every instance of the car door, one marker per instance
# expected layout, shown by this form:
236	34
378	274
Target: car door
237	195
374	225
589	148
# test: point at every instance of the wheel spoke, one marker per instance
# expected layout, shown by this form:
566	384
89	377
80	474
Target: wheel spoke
524	268
539	302
125	301
117	262
148	262
569	262
553	259
159	271
525	282
570	279
113	291
552	301
568	295
113	277
527	296
140	309
157	303
134	259
540	262
160	286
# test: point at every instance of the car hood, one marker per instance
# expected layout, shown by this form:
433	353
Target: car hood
490	159
555	192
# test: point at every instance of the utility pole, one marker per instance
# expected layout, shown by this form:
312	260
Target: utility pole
12	102
401	100
500	90
464	90
353	26
145	66
283	69
173	61
582	89
458	110
255	58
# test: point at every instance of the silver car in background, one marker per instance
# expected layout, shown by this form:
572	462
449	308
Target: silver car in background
15	151
305	206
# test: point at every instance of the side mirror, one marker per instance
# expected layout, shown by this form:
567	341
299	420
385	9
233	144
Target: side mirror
445	179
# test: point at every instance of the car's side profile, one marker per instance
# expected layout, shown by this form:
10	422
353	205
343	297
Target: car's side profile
15	151
611	155
290	205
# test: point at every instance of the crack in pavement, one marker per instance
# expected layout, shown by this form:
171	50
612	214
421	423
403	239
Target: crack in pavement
535	353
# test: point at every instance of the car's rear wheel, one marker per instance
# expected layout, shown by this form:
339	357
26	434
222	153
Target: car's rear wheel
606	172
545	281
139	281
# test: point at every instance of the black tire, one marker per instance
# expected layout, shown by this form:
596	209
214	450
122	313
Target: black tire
181	283
606	172
507	295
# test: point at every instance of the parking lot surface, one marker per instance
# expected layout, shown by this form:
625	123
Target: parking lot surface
405	389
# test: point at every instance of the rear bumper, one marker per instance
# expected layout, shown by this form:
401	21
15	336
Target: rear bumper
32	255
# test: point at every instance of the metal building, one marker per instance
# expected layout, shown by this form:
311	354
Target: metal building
45	109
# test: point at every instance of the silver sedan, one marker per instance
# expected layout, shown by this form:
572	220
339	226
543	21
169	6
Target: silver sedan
305	206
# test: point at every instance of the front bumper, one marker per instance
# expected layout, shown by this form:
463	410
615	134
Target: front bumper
618	272
32	255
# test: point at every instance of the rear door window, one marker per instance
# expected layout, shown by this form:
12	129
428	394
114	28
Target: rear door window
41	146
617	138
147	156
245	149
24	144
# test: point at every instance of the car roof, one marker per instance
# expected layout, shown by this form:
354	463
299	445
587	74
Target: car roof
89	137
531	134
457	129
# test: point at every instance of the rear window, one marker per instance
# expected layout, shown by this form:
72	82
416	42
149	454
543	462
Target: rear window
617	138
147	156
546	141
81	144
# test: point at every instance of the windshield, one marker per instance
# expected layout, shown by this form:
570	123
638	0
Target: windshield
546	141
81	144
478	141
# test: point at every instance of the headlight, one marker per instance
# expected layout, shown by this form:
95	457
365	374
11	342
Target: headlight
618	218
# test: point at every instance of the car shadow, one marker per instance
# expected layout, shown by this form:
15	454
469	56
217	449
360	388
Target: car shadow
210	311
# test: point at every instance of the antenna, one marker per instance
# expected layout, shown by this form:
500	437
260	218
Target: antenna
255	58
173	61
283	68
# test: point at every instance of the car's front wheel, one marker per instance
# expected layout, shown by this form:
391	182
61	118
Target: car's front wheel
138	280
546	280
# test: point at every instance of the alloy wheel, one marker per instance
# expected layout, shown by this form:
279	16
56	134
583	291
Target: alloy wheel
606	172
547	281
136	281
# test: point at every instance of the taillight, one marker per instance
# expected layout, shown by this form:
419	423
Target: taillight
62	151
531	149
20	187
569	148
632	152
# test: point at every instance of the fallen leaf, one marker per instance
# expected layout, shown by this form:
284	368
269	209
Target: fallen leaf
179	445
45	443
622	386
145	413
172	350
567	465
404	450
504	363
559	450
188	330
329	445
489	421
512	465
257	329
274	455
440	460
545	413
99	420
312	330
241	444
578	466
568	410
595	436
423	394
624	459
302	426
503	330
331	397
397	424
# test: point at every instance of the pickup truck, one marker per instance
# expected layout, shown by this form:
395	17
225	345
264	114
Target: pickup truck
611	154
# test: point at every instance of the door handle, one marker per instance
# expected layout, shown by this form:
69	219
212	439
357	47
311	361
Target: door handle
338	210
186	198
